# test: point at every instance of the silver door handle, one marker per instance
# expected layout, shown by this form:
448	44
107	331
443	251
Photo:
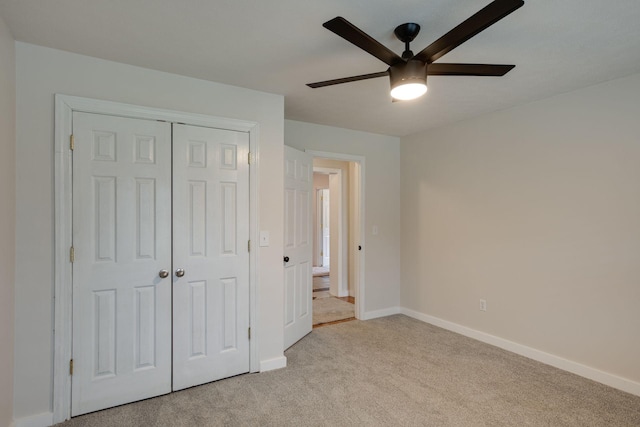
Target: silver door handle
180	272
163	274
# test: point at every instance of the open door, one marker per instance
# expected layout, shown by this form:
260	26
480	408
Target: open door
298	245
325	228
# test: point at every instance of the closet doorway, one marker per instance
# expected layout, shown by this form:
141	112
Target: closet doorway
160	266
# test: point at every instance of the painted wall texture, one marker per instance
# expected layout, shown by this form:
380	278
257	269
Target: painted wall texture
534	209
7	218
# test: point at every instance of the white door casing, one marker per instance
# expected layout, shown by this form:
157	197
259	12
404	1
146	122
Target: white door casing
122	239
210	238
298	188
65	107
359	223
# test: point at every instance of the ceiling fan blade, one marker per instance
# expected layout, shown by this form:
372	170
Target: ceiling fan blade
486	17
348	79
440	69
353	34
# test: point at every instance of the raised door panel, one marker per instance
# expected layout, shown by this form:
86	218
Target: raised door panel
197	319
305	289
303	205
144	339
289	295
289	218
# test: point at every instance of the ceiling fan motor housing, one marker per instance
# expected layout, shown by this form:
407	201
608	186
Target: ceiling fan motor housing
412	71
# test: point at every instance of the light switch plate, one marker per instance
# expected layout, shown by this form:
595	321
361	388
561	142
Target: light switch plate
264	238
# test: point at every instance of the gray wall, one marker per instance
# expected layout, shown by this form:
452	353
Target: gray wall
537	210
7	218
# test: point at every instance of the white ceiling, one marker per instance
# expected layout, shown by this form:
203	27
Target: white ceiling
277	46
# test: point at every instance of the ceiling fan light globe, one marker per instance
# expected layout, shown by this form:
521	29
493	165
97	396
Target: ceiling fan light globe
408	91
408	80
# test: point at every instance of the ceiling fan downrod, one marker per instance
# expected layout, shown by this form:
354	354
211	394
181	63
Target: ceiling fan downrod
406	33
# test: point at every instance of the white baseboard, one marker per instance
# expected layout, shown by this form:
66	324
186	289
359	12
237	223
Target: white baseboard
368	315
41	420
271	364
532	353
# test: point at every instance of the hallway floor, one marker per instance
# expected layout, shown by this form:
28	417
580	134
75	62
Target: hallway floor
327	309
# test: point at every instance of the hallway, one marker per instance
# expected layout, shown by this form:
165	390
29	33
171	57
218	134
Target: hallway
327	309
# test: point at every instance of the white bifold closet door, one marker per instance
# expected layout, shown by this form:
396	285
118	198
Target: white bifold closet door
126	267
121	239
210	241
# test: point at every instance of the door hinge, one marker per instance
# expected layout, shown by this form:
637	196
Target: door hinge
72	142
71	367
248	245
249	157
249	332
72	254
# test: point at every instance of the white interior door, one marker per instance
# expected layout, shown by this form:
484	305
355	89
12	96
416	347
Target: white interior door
326	254
122	239
298	249
210	238
317	226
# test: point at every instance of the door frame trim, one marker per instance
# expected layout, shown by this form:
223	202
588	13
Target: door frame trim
342	265
65	106
360	286
318	227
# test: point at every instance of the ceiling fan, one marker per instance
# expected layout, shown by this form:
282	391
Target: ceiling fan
408	73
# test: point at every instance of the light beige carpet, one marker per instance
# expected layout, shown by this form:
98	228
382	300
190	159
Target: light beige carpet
331	309
392	371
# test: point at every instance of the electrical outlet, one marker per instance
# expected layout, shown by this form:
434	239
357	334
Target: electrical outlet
483	305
